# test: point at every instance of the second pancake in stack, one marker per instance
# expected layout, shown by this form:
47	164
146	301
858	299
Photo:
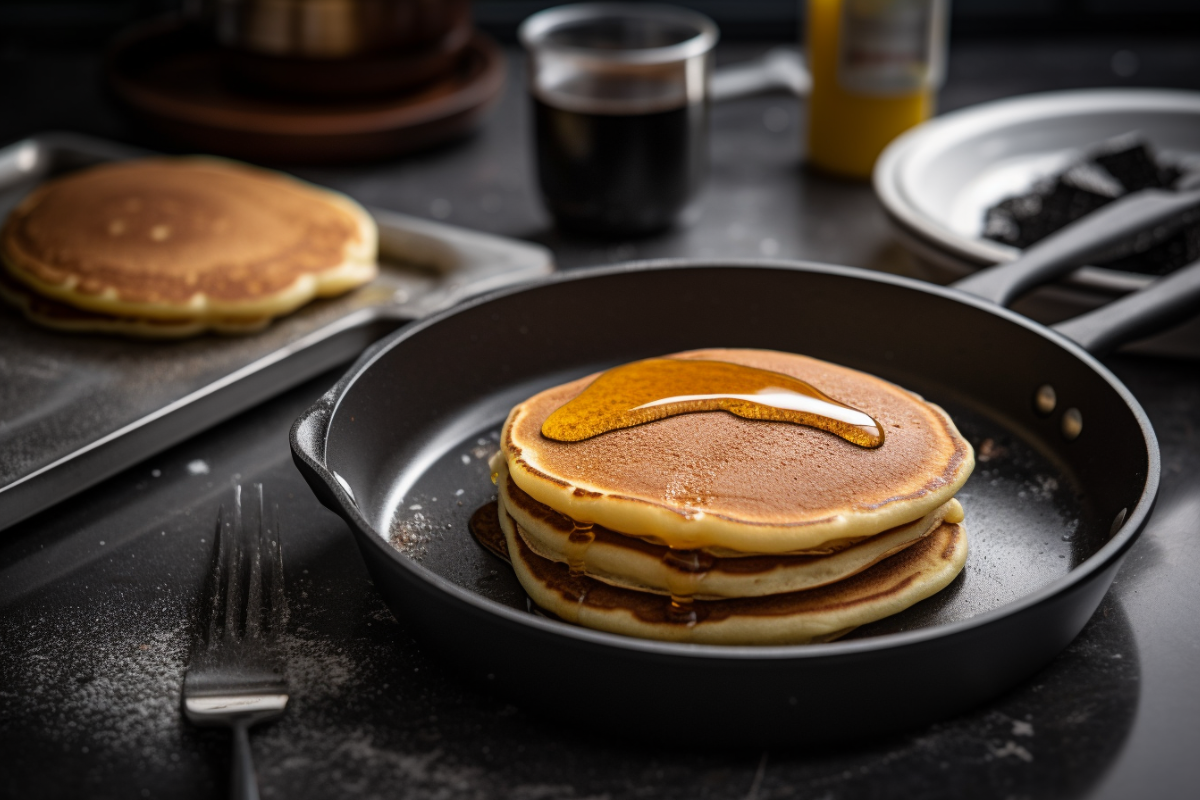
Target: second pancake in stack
725	515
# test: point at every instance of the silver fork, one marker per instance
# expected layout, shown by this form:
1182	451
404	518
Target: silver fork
236	675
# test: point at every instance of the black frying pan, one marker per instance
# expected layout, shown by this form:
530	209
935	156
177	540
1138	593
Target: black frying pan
1067	472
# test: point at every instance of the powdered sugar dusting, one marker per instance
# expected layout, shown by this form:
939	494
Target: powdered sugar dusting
410	535
114	678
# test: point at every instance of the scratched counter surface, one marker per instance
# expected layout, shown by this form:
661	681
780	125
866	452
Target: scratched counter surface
97	595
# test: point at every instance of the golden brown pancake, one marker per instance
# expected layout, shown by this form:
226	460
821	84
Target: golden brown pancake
60	316
636	564
191	239
715	480
815	615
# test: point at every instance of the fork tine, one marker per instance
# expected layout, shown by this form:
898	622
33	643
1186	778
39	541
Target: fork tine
214	586
234	592
238	679
254	554
278	612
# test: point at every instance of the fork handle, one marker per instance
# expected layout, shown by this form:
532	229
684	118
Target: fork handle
245	784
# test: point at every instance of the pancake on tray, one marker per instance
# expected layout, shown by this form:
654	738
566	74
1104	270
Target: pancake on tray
729	497
202	242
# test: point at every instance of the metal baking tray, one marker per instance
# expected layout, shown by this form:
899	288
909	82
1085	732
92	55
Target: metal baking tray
75	409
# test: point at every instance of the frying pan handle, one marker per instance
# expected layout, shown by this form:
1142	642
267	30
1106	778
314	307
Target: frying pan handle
1149	210
1164	303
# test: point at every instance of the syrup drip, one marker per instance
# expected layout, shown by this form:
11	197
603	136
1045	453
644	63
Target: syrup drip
577	592
682	613
578	542
656	388
686	569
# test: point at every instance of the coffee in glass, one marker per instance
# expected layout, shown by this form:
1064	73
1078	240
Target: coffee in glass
620	113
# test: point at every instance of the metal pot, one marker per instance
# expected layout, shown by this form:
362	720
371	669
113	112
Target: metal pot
341	47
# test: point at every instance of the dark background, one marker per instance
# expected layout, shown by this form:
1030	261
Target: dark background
58	22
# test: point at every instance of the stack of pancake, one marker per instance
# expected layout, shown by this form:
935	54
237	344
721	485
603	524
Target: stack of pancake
717	528
171	247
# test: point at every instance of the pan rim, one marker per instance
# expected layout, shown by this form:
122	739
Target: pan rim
1105	556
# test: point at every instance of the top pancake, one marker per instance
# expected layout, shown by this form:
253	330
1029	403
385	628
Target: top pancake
187	238
715	480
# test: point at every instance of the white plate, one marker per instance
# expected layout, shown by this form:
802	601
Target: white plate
937	181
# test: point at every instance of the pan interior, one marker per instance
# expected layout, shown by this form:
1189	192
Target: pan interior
1027	522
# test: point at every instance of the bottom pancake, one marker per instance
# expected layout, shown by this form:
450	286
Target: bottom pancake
63	317
815	615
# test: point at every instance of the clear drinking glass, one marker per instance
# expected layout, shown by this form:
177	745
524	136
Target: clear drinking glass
620	96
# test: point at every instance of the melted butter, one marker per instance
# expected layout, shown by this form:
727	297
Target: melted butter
657	388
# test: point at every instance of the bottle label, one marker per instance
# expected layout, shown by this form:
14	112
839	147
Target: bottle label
892	47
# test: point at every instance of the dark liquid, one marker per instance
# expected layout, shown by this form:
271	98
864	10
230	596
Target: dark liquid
620	173
485	527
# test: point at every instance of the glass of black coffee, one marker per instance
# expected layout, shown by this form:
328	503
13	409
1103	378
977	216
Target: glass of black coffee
620	97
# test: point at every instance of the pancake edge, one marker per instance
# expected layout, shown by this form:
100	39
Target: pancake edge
21	298
643	571
804	628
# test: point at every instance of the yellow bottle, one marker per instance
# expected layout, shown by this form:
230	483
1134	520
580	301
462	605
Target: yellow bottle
875	65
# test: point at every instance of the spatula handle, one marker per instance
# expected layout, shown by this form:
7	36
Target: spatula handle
1078	243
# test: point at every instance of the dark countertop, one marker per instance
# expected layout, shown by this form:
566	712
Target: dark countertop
96	595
